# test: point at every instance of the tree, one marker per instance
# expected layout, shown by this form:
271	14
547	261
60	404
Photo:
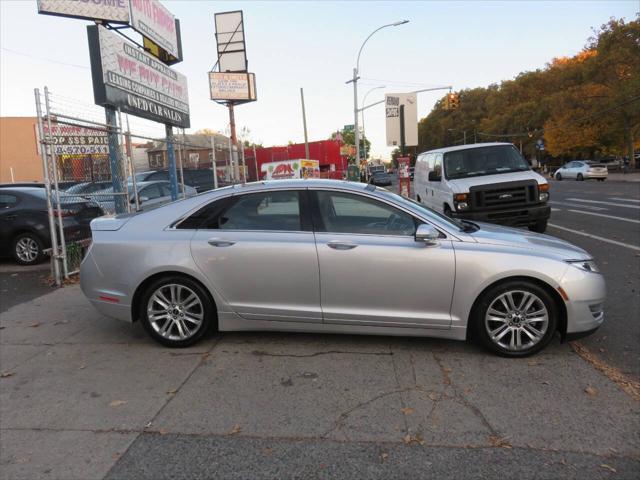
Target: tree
349	138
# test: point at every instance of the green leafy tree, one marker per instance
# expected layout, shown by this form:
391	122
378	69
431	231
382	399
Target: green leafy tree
349	138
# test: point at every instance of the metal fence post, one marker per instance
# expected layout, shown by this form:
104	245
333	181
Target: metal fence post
44	146
134	183
180	153
112	134
213	162
171	157
54	164
255	159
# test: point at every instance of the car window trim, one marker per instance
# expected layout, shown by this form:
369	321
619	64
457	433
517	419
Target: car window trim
317	216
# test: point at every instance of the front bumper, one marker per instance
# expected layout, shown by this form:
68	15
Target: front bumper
585	308
518	216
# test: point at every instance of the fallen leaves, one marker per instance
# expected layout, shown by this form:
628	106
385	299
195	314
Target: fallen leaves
236	429
407	411
35	325
591	391
498	442
6	374
417	438
172	392
608	467
117	403
384	456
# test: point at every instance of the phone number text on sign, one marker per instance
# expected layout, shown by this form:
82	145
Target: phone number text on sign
80	149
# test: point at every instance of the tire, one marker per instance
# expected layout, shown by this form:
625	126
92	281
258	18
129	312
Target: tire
580	178
559	177
418	199
177	327
539	226
601	179
27	249
447	211
504	341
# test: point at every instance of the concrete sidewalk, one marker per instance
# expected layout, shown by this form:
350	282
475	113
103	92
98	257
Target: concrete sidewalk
84	397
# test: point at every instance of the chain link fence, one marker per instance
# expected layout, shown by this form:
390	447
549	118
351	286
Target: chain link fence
84	178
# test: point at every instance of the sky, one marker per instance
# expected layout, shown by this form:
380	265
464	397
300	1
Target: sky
313	45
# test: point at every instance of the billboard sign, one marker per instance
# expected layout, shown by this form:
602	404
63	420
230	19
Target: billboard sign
107	10
125	77
232	55
393	101
232	86
74	140
154	21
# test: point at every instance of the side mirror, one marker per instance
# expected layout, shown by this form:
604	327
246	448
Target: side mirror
434	177
427	233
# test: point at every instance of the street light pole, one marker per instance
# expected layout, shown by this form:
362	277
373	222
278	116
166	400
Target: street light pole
364	101
356	70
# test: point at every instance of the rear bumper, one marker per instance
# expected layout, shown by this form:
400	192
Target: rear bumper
520	216
596	175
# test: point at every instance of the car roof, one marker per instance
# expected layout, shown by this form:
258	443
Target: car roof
299	183
24	189
466	147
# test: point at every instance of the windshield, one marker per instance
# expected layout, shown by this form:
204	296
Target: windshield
475	162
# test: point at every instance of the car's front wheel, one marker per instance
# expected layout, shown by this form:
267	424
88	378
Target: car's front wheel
559	177
28	249
176	311
515	319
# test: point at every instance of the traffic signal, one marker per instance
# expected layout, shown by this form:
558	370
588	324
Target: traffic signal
454	101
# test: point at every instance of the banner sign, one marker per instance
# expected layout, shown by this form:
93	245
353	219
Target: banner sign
107	10
393	101
232	86
126	77
72	140
154	21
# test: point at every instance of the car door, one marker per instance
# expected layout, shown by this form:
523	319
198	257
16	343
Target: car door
372	271
151	196
572	170
259	253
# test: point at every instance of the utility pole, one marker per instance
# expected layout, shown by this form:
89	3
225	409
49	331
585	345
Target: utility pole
213	162
304	124
403	146
171	156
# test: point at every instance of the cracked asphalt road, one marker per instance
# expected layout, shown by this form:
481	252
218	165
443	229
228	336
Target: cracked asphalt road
91	398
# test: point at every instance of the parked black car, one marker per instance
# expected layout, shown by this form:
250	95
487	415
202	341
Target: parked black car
87	188
199	178
24	222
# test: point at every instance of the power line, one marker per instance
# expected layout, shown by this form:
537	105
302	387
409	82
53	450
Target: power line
42	59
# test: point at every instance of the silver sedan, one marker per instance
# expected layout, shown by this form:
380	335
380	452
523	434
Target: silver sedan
328	256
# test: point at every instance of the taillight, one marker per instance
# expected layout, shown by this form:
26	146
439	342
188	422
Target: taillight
63	212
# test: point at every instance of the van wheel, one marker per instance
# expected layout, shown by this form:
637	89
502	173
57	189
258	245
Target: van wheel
538	227
418	198
447	211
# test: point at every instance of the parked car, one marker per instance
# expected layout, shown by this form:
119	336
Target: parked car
488	182
380	178
199	178
25	232
22	184
151	194
339	251
582	170
86	188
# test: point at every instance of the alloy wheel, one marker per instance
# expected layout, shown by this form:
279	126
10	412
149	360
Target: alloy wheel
516	320
27	249
175	312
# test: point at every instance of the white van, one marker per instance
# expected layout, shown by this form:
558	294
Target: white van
489	182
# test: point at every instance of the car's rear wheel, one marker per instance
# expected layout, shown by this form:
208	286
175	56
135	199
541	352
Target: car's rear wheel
176	311
601	179
559	177
515	319
27	249
580	178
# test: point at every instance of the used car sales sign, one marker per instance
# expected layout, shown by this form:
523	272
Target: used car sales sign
125	77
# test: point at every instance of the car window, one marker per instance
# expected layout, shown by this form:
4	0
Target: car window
151	192
437	165
7	201
263	211
165	188
348	213
158	176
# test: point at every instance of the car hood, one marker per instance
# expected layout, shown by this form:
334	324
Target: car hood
547	245
462	185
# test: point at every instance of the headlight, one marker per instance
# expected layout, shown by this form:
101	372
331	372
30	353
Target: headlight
586	265
543	197
462	206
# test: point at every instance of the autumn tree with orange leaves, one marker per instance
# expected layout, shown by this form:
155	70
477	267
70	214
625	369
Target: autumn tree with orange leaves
583	106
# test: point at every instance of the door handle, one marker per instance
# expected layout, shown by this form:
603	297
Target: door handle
220	242
338	245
